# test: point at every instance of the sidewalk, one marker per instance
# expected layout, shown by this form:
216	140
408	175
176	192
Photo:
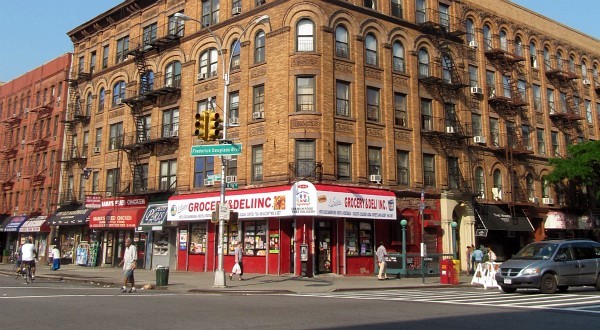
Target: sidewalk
253	283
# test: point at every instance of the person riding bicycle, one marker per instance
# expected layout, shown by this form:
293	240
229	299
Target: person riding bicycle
28	255
17	258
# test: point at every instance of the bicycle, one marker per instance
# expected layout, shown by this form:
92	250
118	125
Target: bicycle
26	271
16	265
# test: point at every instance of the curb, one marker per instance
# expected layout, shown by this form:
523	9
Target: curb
239	292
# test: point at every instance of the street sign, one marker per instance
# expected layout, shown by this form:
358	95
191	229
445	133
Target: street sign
216	150
224	211
481	232
232	185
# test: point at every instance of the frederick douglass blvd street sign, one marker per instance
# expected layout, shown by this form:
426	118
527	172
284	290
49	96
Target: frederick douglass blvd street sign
216	150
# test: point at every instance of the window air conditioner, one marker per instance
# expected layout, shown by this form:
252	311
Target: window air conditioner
258	115
119	101
201	76
450	129
18	174
586	82
208	182
108	194
473	44
175	133
476	90
479	139
534	200
230	178
236	10
233	120
375	178
22	142
497	193
96	150
14	115
26	110
547	201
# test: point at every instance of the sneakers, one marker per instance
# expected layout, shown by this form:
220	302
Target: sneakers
230	277
131	290
123	290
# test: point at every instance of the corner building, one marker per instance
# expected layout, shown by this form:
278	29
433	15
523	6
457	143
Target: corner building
352	115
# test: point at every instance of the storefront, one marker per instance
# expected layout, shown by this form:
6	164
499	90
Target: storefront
37	229
161	237
10	228
503	232
299	229
115	222
560	225
71	228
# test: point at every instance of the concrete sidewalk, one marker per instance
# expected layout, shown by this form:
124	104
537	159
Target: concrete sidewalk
253	283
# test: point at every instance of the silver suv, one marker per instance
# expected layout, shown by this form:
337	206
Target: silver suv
552	265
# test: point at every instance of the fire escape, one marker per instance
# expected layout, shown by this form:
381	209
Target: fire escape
148	93
510	104
8	152
445	81
74	158
566	116
38	139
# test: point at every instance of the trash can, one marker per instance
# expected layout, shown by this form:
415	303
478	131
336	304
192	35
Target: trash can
448	274
162	276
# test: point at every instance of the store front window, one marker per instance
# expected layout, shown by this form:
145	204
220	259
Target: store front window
359	238
255	238
198	238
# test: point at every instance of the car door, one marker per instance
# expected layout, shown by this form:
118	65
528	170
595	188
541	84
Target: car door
586	256
566	265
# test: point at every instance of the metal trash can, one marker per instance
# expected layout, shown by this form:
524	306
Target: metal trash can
162	276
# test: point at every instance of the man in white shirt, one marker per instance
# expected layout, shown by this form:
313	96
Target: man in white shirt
381	254
128	262
28	254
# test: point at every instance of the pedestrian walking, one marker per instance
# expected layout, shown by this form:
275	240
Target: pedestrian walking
477	257
238	268
128	262
469	251
491	255
55	258
381	254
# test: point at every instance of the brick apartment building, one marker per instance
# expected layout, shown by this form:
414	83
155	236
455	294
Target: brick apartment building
32	109
342	108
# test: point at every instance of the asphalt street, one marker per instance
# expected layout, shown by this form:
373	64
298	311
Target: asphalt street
58	304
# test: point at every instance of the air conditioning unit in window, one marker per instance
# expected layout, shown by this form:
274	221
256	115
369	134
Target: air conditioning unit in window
26	110
534	200
96	150
18	174
476	90
258	115
450	129
479	139
230	178
547	201
260	2
473	44
233	121
201	76
22	142
108	194
586	82
175	133
497	193
375	178
236	10
208	183
119	101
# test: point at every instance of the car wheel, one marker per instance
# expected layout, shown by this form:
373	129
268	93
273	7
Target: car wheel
562	288
548	284
506	289
598	283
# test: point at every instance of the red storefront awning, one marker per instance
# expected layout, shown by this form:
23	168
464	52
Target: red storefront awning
116	217
35	225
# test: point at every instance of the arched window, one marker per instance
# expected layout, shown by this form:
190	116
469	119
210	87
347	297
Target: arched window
479	182
208	64
518	46
371	49
101	99
235	55
342	49
547	63
259	47
173	74
497	179
503	40
470	30
447	69
423	63
584	72
559	61
118	93
487	37
572	64
533	55
595	72
88	104
398	57
305	40
147	81
530	187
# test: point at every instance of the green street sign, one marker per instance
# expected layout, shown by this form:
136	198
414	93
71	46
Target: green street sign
232	185
216	150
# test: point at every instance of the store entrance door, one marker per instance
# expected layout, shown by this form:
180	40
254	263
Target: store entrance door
323	246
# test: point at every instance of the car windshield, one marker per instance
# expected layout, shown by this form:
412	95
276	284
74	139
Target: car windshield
537	251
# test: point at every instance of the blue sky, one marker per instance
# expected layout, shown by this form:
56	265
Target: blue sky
34	31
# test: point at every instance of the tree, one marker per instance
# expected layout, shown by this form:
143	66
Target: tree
578	175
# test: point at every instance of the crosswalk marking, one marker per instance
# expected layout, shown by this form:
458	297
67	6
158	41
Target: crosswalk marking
565	302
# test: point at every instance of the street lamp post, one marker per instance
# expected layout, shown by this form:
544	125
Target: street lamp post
403	223
220	272
453	224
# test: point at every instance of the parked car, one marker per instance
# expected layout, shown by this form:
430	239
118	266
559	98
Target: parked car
552	265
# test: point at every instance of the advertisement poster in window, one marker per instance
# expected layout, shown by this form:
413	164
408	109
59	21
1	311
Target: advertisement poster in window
274	243
183	236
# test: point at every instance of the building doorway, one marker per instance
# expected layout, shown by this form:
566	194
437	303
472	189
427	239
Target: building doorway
323	246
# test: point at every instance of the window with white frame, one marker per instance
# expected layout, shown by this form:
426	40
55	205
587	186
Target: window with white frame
400	116
588	111
208	104
257	163
305	94
235	55
398	64
208	64
444	16
101	100
149	35
342	49
170	123
204	167
210	12
372	104
176	26
374	155
541	141
122	49
112	181
168	174
550	100
98	138
88	104
423	58
305	158
497	177
116	136
118	93
371	49
545	188
259	47
173	74
105	54
533	55
305	41
479	182
342	98
258	101
234	107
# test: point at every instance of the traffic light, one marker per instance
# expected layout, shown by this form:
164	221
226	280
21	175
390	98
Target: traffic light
201	125
214	126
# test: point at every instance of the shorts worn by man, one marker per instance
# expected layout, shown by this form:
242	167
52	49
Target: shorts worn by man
128	262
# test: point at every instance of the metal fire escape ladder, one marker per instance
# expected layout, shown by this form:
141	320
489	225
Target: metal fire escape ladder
567	121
